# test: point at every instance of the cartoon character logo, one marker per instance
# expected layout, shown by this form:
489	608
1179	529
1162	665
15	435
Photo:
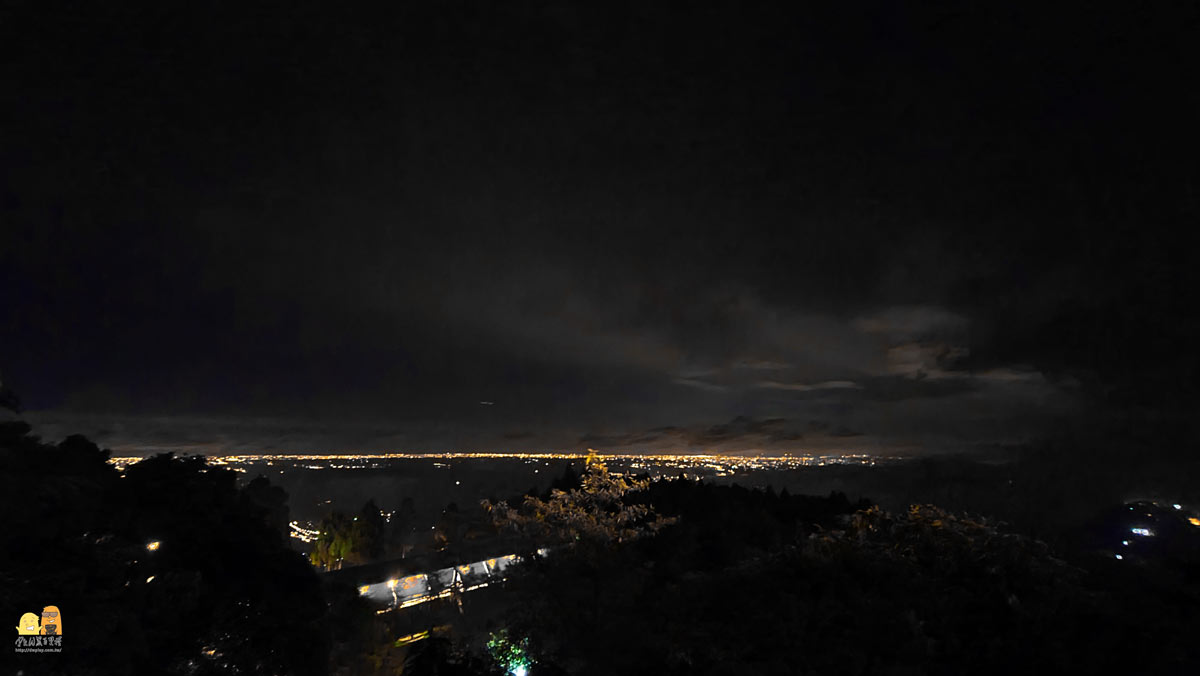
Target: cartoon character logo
51	621
28	625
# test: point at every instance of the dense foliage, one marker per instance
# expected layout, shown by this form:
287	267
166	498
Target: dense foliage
594	511
219	592
350	540
752	582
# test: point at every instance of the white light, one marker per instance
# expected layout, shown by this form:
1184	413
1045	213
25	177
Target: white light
1120	558
1177	506
149	579
457	483
519	671
1125	542
1146	532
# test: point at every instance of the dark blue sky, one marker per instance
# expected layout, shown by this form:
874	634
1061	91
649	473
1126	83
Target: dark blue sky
302	226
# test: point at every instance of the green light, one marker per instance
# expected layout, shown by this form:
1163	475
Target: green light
512	656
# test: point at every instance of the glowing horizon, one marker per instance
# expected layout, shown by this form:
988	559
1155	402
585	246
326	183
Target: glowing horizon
807	458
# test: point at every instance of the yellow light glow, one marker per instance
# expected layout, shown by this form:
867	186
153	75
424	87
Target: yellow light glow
153	546
1194	521
363	589
709	459
412	638
392	584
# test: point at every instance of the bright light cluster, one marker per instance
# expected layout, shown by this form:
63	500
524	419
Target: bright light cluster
713	461
303	534
416	589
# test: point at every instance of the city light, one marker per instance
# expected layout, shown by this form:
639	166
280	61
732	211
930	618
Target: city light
1194	521
1144	532
1120	558
153	546
723	465
303	534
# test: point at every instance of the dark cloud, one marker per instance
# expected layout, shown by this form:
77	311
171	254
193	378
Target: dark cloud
739	434
897	388
602	219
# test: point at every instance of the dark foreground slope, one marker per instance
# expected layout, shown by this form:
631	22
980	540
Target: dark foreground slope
172	568
751	582
166	568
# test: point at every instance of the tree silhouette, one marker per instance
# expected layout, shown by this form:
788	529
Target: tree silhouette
334	541
401	536
352	540
593	512
169	566
271	499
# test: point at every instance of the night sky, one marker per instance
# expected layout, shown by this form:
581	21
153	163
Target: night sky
629	225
